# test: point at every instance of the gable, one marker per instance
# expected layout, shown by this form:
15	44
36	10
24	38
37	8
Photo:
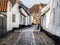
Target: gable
13	2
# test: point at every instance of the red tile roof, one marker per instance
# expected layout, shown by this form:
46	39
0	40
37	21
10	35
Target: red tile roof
4	3
35	8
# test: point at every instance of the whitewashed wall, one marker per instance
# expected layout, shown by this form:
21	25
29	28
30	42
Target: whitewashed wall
46	21
55	17
9	16
26	18
51	22
17	15
26	23
20	21
30	20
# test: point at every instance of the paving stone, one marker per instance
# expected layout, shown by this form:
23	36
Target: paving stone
42	39
27	36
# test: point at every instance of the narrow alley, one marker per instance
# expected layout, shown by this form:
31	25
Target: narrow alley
27	36
29	22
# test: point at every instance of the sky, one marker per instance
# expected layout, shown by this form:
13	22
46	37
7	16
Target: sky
30	3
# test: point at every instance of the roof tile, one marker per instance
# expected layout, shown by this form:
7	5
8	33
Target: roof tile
4	3
35	8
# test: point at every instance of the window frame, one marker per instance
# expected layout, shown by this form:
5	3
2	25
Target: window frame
13	18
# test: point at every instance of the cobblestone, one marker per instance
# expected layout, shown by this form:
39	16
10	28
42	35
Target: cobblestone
42	39
26	36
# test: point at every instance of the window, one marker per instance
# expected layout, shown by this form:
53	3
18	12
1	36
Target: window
13	18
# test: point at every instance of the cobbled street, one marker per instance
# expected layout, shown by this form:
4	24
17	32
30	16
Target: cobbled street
26	36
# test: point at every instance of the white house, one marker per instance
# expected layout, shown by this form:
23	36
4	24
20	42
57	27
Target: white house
6	9
55	17
14	17
51	17
11	17
26	20
22	19
11	5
